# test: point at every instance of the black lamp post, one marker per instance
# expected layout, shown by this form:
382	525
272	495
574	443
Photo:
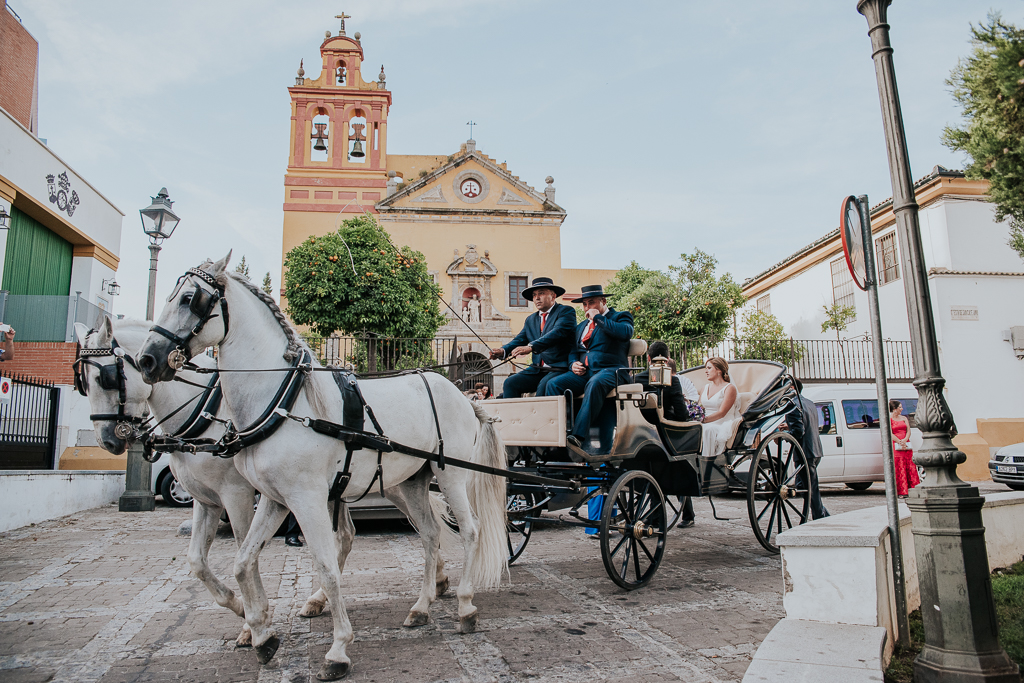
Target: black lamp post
961	636
158	222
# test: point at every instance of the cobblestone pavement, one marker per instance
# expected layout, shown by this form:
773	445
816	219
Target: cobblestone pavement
105	596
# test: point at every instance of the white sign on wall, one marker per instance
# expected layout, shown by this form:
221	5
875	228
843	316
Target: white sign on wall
963	312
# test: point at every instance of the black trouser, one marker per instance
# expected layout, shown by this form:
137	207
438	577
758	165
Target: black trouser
817	507
533	378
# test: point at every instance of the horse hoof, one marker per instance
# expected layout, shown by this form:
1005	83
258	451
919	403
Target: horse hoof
312	608
416	619
333	671
266	651
467	624
244	638
442	586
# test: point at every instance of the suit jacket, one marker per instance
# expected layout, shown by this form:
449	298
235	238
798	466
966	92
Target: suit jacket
609	345
673	402
554	345
803	424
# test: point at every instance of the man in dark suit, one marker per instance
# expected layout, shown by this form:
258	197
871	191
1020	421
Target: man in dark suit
547	335
601	348
803	425
673	405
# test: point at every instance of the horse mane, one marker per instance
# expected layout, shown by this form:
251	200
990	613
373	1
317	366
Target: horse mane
312	386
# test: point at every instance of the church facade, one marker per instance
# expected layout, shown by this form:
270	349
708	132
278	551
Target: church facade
485	233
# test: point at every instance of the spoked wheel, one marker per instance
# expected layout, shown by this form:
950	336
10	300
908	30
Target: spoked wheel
675	509
634	525
518	528
778	497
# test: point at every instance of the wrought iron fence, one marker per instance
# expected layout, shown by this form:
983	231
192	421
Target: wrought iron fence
812	360
44	318
28	425
379	354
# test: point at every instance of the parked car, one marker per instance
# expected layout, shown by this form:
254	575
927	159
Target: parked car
849	429
1007	466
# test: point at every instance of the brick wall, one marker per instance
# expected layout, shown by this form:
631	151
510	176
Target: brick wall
19	71
50	361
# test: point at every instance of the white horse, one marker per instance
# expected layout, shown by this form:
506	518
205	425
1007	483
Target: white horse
295	466
215	483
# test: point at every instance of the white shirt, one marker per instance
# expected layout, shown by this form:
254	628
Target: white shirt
690	392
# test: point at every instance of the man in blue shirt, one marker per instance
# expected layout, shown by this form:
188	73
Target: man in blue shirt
601	349
546	334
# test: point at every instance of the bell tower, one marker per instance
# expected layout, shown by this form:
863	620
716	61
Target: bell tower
338	141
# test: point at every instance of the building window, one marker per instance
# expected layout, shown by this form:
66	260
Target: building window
516	285
764	304
842	284
886	259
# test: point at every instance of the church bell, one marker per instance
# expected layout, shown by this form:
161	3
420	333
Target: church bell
319	135
357	149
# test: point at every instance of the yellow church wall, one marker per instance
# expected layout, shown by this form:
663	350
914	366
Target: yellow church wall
408	166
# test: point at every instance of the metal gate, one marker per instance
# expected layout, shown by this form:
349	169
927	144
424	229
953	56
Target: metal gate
28	425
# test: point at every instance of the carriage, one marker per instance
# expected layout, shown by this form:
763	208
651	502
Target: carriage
652	464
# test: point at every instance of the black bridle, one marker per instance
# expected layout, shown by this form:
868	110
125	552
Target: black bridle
202	305
111	377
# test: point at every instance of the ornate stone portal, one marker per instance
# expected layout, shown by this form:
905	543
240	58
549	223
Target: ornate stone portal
471	275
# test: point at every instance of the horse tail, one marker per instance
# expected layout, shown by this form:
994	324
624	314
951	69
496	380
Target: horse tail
446	521
487	496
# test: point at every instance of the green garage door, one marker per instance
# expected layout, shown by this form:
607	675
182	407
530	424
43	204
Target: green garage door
38	260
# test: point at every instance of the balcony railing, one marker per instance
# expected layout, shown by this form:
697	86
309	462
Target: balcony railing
44	318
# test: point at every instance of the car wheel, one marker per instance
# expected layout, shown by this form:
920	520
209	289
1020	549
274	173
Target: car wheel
859	485
173	492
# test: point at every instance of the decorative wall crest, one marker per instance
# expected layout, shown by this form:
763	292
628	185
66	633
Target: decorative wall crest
58	188
509	198
434	196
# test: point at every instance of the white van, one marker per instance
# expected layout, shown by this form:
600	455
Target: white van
850	435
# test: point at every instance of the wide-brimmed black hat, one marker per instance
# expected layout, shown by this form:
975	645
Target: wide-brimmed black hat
542	283
590	291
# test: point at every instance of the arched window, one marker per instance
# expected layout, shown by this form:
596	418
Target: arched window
319	143
341	73
357	145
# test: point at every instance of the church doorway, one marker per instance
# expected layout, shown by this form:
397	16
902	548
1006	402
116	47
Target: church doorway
473	369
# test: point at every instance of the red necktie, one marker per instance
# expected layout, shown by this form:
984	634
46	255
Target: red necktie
586	335
543	319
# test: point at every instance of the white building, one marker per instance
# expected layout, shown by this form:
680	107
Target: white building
977	294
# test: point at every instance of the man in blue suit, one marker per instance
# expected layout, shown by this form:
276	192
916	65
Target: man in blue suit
601	348
547	335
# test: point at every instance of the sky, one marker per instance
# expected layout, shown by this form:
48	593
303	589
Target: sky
735	127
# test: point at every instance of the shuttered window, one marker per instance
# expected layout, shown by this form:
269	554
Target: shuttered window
842	284
38	261
885	259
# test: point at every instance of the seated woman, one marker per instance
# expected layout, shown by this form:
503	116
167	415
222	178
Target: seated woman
721	409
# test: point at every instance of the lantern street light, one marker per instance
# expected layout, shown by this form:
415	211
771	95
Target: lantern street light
5	219
158	222
111	287
961	639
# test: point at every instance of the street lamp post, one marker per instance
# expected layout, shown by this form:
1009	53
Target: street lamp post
961	635
158	222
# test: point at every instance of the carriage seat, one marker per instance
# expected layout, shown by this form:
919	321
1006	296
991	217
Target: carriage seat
744	399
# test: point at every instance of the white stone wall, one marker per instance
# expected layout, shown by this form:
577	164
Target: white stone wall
30	497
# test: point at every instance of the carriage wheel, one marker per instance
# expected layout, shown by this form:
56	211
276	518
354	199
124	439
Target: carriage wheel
778	497
518	528
634	525
675	509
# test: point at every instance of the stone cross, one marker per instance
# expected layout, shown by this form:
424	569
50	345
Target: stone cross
343	17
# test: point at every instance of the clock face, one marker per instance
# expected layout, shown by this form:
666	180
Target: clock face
470	188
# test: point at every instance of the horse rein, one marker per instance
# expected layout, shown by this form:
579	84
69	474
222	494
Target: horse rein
126	424
202	305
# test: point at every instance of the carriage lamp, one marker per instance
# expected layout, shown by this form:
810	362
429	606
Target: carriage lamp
111	287
320	135
660	374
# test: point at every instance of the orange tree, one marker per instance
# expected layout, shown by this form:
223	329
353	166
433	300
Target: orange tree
354	281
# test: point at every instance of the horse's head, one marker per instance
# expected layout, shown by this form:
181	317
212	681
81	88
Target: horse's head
187	324
105	373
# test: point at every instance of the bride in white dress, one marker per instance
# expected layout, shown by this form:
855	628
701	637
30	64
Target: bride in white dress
721	409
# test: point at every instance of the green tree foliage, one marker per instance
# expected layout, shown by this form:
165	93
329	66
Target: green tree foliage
689	301
242	268
989	86
374	291
838	318
268	286
762	337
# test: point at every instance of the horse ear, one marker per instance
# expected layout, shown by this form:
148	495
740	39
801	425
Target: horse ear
218	268
105	331
80	332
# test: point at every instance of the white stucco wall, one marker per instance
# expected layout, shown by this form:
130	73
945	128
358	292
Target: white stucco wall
983	375
28	497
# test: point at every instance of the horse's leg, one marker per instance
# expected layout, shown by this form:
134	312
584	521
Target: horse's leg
315	521
344	537
469	530
205	519
396	496
238	501
269	515
415	495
